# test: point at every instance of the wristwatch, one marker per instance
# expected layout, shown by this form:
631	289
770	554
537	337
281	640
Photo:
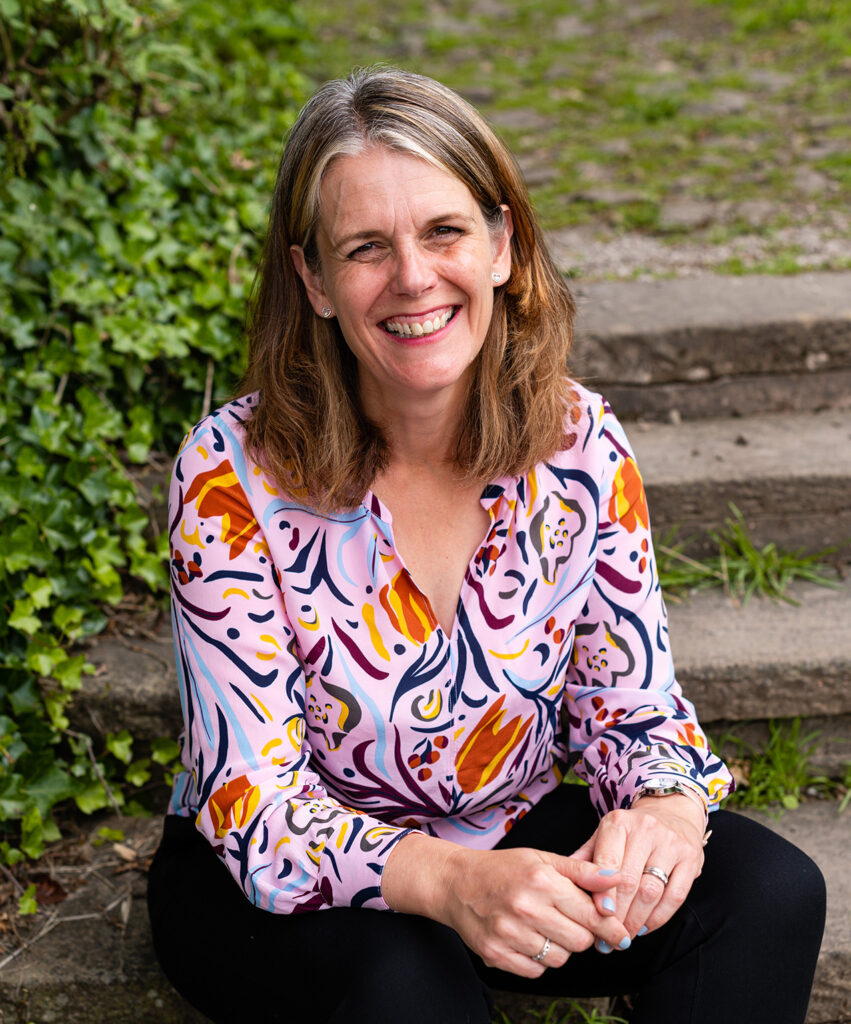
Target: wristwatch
667	785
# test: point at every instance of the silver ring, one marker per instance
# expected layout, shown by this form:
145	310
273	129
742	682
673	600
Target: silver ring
657	873
543	952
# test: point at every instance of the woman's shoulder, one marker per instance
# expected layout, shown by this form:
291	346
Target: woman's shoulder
594	442
220	431
587	420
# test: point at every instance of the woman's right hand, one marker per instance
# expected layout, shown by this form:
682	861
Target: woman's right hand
503	903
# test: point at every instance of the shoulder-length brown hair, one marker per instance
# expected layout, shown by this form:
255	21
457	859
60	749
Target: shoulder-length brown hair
308	428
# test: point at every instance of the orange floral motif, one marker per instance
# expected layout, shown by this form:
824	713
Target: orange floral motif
232	805
627	502
486	748
218	494
408	610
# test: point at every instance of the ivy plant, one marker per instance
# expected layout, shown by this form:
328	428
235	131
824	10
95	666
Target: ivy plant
138	144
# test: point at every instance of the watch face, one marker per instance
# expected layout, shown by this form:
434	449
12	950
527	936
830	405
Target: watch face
662	782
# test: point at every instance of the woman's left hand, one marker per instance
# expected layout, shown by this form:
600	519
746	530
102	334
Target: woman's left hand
659	832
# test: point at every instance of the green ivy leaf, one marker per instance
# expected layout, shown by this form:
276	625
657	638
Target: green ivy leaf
139	772
108	835
27	903
120	745
22	617
164	750
40	590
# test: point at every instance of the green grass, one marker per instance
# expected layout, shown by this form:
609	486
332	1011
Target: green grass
740	567
562	1012
779	774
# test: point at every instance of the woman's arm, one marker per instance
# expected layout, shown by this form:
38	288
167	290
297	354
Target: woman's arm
629	722
259	802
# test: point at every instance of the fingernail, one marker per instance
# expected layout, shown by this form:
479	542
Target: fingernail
642	930
602	946
625	942
607	872
609	904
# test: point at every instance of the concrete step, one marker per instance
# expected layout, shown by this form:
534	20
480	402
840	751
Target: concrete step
678	348
789	475
96	961
765	659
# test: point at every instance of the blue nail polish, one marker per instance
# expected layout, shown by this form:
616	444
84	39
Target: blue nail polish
609	903
607	872
642	930
625	942
603	947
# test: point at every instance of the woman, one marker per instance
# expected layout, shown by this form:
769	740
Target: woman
408	553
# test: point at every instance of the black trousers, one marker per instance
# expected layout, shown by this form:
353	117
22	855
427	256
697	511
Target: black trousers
741	950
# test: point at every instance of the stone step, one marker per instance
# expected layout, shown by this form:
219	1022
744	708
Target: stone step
96	962
765	659
789	475
761	660
710	345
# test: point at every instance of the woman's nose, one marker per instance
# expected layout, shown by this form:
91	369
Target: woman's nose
414	273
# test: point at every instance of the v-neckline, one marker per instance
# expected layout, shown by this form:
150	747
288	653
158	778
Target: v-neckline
490	499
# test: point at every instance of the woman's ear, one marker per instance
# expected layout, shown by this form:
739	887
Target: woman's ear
312	281
502	245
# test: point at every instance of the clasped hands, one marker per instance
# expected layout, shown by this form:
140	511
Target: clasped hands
505	903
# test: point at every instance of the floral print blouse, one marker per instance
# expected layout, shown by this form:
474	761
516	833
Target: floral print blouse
327	713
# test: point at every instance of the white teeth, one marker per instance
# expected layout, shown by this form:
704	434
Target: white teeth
417	330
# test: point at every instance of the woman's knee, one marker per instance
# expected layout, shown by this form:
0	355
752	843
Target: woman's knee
757	877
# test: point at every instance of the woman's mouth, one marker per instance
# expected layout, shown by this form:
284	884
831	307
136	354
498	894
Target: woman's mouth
419	326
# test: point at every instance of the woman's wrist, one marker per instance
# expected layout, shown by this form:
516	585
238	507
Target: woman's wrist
417	875
682	805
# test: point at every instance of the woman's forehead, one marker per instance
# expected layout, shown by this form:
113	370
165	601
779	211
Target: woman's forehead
381	185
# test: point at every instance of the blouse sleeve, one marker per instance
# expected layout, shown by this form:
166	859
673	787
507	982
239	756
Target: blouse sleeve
287	843
628	718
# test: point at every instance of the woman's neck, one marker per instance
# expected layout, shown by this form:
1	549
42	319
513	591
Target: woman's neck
420	431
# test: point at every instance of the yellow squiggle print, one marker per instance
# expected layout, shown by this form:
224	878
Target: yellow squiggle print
262	706
368	613
192	538
508	657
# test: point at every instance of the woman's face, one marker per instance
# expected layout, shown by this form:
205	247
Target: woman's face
406	264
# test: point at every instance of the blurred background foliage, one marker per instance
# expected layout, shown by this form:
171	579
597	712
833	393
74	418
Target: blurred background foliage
138	148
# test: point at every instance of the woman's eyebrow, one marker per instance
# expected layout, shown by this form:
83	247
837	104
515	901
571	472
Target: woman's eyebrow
364	235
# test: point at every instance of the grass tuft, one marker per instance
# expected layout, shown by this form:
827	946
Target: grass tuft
561	1012
740	567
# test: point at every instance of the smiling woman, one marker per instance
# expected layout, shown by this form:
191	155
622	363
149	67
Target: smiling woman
407	264
413	579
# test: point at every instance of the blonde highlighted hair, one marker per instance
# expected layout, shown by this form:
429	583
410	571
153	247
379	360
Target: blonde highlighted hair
308	428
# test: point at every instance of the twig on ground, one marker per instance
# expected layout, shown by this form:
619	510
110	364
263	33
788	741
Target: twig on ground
55	920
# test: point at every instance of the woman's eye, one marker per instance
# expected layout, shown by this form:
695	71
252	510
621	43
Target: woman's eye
367	249
446	231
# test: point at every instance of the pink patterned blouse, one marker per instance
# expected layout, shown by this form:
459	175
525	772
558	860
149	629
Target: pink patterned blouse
326	711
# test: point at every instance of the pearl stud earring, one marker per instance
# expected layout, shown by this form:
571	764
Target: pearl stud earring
327	311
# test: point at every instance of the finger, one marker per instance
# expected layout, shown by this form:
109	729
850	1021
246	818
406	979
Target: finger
588	875
576	923
647	895
681	879
555	955
640	851
610	843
